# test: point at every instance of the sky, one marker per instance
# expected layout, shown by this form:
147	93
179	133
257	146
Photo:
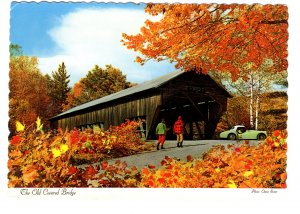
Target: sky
82	35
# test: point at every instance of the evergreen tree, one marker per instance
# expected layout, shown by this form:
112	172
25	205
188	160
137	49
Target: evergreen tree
15	50
59	87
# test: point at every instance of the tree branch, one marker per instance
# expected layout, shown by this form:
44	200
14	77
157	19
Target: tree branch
283	21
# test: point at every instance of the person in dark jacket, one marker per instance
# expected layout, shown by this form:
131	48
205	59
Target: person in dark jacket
178	129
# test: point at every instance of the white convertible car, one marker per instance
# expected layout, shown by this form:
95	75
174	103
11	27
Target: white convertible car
240	132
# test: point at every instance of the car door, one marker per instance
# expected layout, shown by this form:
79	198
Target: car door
249	134
241	131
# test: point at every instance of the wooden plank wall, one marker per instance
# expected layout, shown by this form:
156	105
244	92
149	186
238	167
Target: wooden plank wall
115	114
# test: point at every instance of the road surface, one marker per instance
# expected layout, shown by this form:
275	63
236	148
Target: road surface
193	148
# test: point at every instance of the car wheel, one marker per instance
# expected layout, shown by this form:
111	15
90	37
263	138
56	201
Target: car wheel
231	137
261	136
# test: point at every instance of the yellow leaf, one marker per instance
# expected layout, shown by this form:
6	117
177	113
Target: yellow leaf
87	145
38	122
232	184
39	126
64	148
248	173
218	170
19	126
56	152
96	129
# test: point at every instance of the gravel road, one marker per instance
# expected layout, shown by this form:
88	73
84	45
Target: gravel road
193	148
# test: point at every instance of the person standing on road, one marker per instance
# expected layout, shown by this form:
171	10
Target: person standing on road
161	131
178	129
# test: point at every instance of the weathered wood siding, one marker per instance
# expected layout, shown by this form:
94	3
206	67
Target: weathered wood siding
114	114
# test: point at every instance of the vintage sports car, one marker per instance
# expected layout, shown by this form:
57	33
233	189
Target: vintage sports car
240	132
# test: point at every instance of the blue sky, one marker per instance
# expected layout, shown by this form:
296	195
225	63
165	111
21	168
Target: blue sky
81	35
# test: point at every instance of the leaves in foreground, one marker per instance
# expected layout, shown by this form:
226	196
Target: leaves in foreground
38	159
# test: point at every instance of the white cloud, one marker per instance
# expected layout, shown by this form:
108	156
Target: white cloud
87	37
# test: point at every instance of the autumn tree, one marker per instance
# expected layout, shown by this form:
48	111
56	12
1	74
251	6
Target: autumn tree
28	97
58	88
98	83
251	85
75	97
220	37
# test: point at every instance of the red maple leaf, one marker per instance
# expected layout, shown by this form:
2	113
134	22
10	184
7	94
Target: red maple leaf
90	171
163	162
151	183
74	138
145	171
285	146
276	133
72	170
167	175
249	165
104	165
151	166
189	158
15	139
237	149
83	139
161	180
169	167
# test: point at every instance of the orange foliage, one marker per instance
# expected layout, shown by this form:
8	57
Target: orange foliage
213	37
25	104
245	166
74	94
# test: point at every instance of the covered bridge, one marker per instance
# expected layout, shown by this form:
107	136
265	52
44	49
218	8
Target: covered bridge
196	97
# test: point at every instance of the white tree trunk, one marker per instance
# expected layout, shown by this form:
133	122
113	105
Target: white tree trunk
251	101
256	112
257	103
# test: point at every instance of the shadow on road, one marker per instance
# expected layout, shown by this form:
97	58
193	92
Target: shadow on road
189	145
173	147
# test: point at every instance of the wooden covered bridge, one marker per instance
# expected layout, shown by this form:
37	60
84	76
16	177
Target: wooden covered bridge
196	97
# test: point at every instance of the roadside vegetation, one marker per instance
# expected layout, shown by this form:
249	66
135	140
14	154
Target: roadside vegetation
38	159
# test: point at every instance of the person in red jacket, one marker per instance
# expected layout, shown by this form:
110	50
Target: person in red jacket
178	129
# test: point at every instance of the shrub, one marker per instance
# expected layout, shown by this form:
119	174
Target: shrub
38	159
